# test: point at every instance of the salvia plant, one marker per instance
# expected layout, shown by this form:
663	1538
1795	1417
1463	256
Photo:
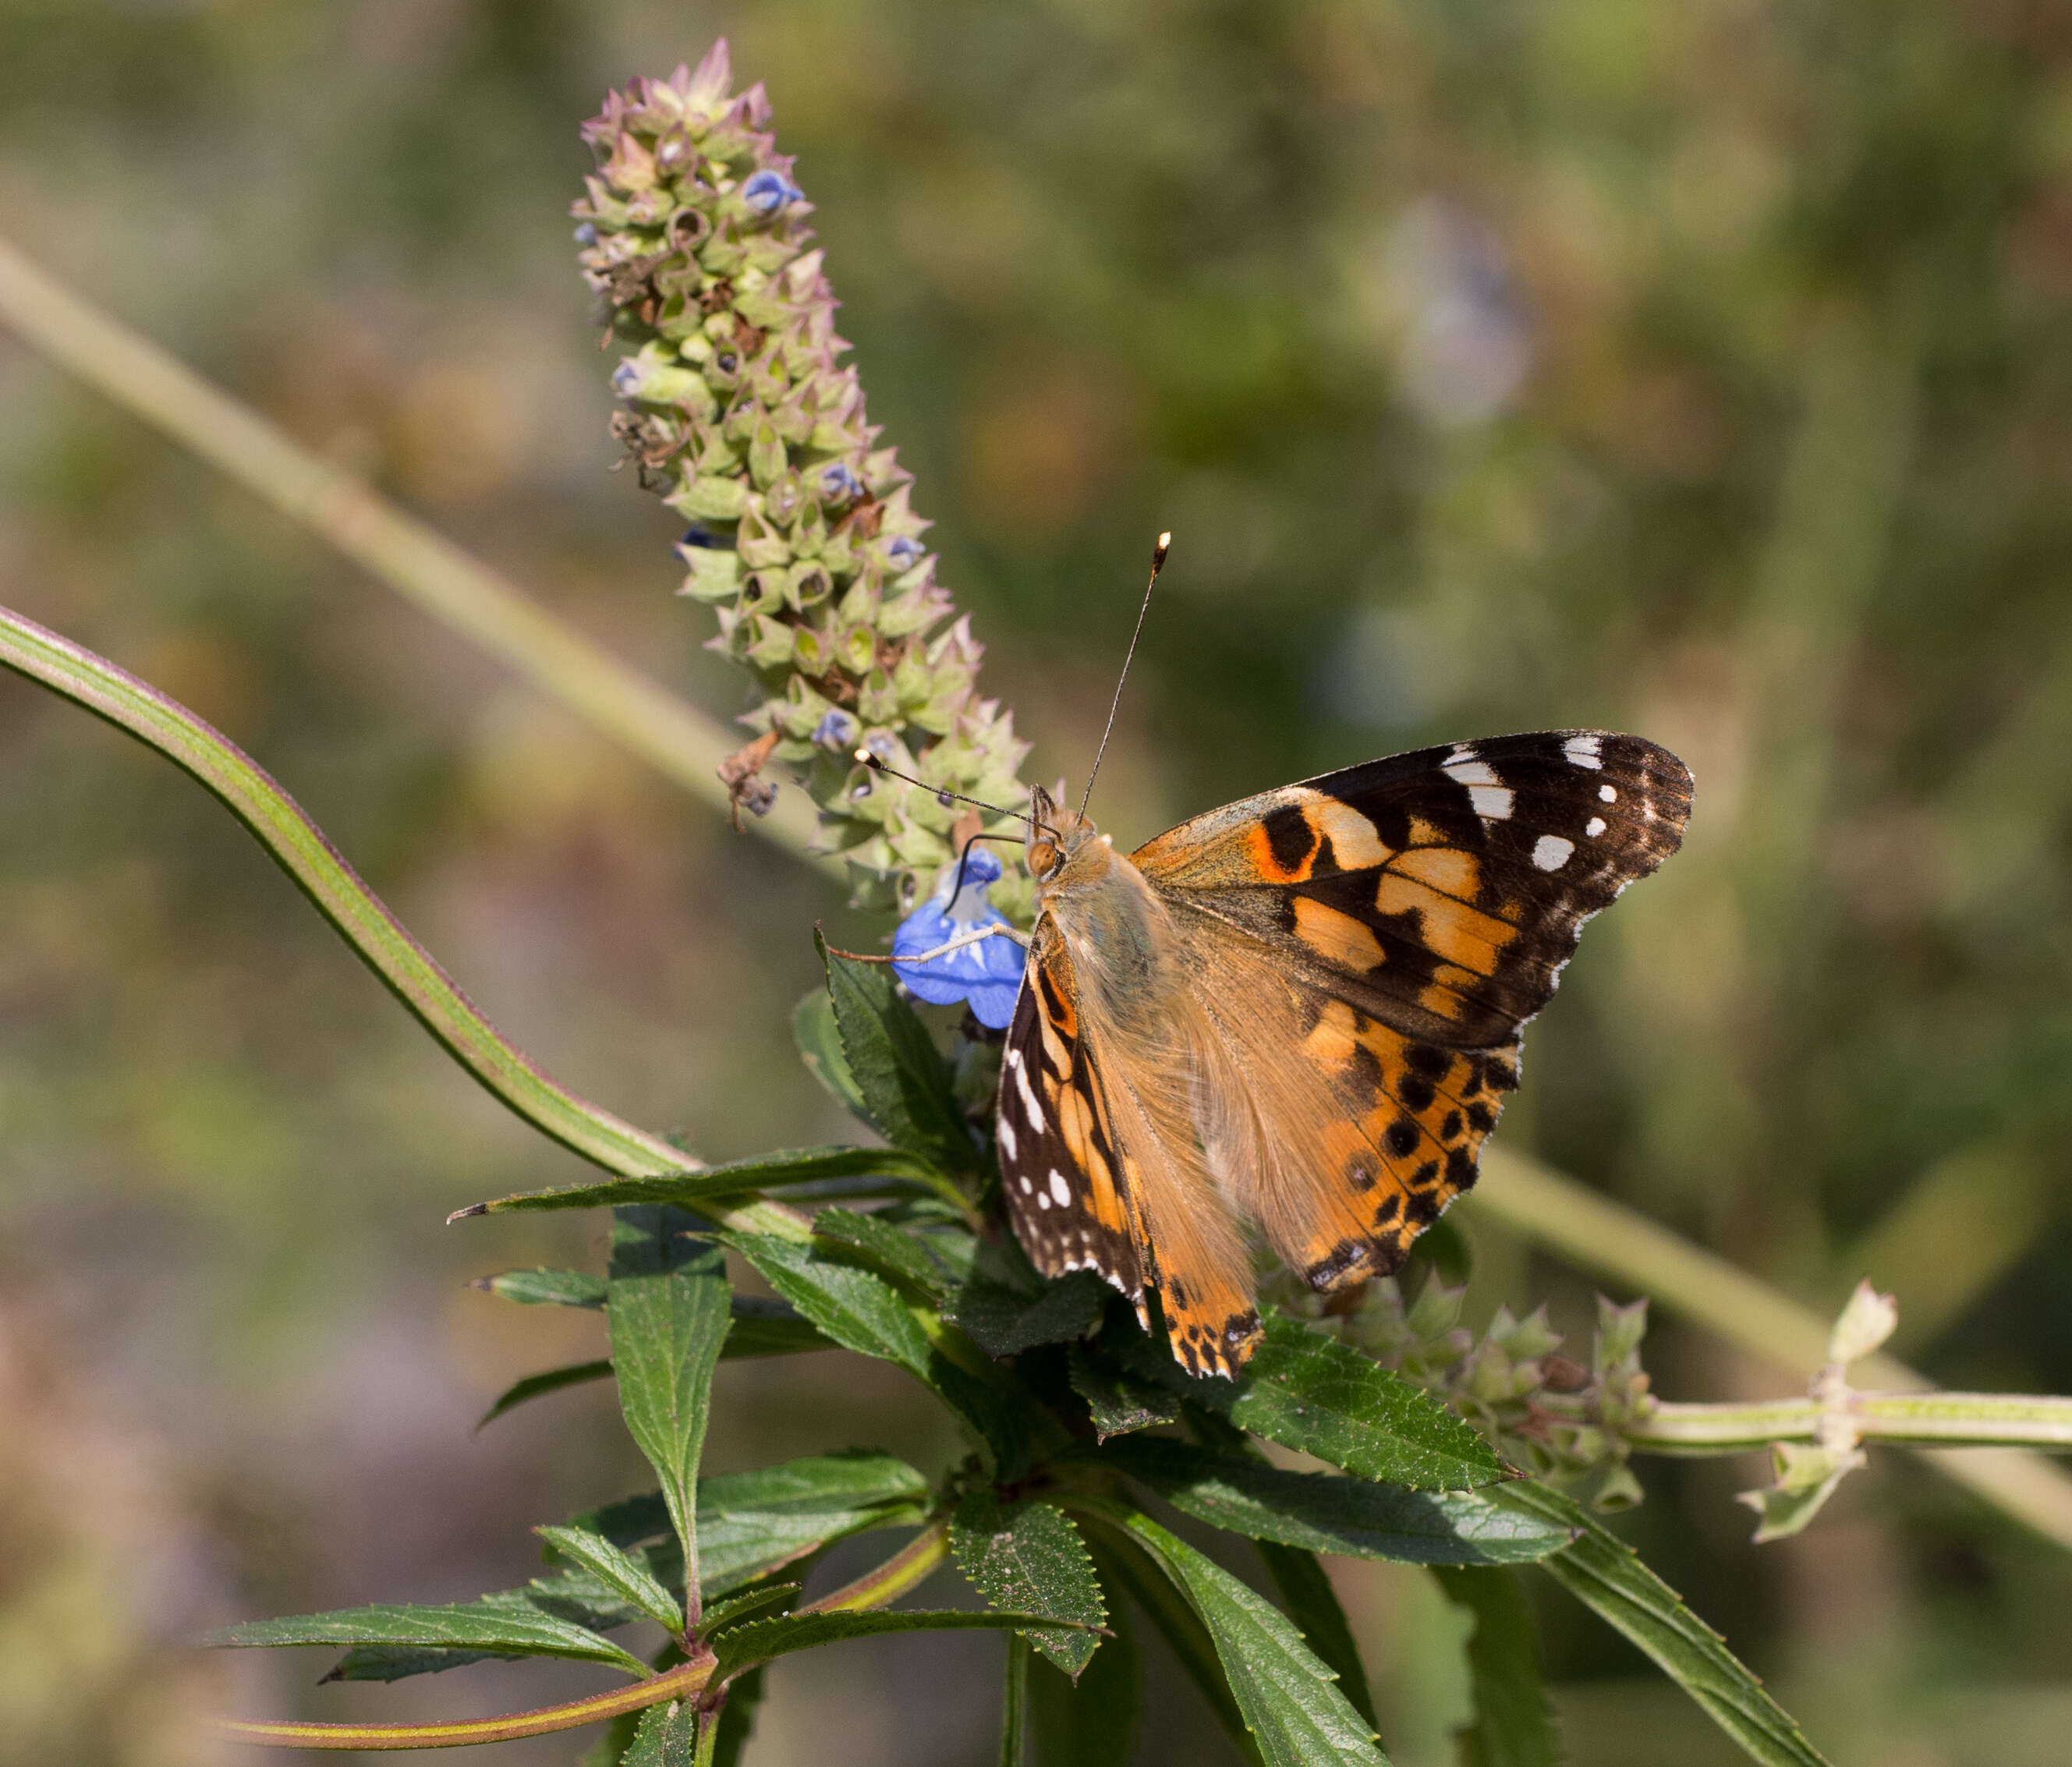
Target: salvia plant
1102	1495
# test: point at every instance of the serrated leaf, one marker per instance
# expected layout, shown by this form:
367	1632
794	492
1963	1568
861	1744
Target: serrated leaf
669	1315
904	1082
761	1641
544	1286
862	1311
553	1380
895	1254
489	1627
765	1172
819	1039
1324	1513
611	1566
1090	1722
1119	1403
666	1737
1292	1705
738	1607
1514	1725
1304	1589
1607	1576
1028	1557
1310	1391
1004	1322
751	1524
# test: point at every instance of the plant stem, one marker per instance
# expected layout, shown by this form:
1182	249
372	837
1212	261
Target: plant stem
360	916
1595	1233
679	1684
905	1570
412	559
1938	1419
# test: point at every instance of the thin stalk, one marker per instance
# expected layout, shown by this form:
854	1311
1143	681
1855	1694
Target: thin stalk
906	1569
676	1684
417	561
1014	1704
1941	1420
361	919
1595	1233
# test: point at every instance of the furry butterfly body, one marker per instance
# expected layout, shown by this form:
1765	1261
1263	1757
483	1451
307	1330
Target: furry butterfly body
1301	1011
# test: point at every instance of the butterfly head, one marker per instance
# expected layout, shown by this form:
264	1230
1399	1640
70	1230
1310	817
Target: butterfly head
1062	844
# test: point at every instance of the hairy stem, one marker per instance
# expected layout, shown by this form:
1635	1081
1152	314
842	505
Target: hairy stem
1940	1420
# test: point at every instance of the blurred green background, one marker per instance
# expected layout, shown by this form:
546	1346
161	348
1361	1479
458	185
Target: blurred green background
1701	368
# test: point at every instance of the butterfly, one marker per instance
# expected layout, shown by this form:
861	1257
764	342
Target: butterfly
1302	1010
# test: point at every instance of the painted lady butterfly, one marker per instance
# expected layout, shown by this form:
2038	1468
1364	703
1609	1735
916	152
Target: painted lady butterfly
1303	1009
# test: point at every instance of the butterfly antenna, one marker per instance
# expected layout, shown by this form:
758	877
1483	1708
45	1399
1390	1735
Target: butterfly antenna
1157	565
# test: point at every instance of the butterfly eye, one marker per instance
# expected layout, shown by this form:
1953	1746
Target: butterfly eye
1043	858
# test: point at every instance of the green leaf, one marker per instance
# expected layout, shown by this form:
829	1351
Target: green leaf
737	1718
904	1082
1124	1564
1307	1391
1311	1603
535	1287
819	1039
860	1311
762	1640
768	1171
1325	1513
768	1328
500	1627
751	1524
666	1737
1118	1402
1027	1556
610	1566
669	1316
552	1381
1003	1322
739	1607
1604	1574
1514	1726
1291	1704
1090	1722
895	1253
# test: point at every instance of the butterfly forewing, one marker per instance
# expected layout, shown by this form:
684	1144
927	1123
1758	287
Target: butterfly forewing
1067	1191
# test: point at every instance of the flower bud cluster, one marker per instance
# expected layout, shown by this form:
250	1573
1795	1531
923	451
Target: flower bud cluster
802	538
1549	1415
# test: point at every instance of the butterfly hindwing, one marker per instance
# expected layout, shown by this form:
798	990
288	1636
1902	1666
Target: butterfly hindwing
1067	1190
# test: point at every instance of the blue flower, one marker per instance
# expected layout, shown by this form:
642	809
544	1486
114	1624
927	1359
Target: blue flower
838	484
987	973
903	552
836	731
768	191
627	380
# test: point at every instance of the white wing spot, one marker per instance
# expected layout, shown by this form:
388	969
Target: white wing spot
1059	1189
1585	751
1471	772
1595	826
1006	1133
1492	803
1042	1199
1028	1096
1608	794
1491	798
1028	1185
1550	851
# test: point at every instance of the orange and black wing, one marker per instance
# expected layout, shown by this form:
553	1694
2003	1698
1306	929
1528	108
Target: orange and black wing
1067	1192
1419	911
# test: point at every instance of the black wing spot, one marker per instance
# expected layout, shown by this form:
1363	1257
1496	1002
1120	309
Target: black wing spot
1401	1138
1345	1257
1363	1077
1460	1168
1416	1091
1387	1208
1289	836
1423	1208
1480	1118
1432	1063
1425	1176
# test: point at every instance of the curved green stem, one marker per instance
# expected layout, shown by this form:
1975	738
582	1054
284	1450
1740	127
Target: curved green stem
905	1570
382	942
675	1684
